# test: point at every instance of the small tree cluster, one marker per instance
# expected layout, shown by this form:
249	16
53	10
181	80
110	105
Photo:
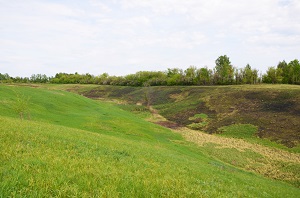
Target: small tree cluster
283	73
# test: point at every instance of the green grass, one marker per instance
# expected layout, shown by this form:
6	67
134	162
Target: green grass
200	121
71	110
242	131
77	147
248	132
201	115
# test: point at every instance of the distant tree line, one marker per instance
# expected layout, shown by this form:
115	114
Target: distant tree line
224	73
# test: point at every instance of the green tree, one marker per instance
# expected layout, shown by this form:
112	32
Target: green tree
203	76
102	79
175	76
5	78
283	69
190	75
224	70
254	76
273	75
294	71
248	75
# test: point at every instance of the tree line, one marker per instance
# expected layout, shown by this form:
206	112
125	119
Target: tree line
224	73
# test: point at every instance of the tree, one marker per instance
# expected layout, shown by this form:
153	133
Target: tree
224	70
248	75
254	76
174	76
102	79
5	78
271	76
190	75
283	69
294	71
204	75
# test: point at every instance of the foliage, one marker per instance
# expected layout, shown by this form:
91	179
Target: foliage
222	74
224	70
284	73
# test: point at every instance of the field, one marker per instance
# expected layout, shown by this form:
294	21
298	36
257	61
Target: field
67	145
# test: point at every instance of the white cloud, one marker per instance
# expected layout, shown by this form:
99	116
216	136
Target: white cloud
101	6
126	36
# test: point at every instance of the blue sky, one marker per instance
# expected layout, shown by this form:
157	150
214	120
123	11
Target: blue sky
125	36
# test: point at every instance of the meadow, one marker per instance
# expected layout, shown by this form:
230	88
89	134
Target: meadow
68	145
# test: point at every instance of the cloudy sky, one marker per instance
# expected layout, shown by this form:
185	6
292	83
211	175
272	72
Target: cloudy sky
125	36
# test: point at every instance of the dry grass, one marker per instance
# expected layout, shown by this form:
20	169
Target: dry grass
180	96
270	162
203	138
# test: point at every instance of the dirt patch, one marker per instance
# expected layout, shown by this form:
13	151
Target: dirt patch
279	106
168	124
121	92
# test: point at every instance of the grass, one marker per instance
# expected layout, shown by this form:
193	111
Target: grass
76	147
242	131
199	121
201	115
274	109
71	110
267	160
248	132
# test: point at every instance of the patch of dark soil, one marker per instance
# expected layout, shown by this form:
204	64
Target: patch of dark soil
95	93
296	112
288	143
214	125
197	90
182	117
168	124
121	92
257	95
161	95
278	106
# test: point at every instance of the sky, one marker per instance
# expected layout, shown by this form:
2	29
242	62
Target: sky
121	37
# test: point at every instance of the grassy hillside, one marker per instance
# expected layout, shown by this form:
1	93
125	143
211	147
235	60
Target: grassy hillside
273	109
74	146
71	110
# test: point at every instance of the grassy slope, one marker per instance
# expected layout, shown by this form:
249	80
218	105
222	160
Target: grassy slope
71	110
74	146
273	109
242	112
